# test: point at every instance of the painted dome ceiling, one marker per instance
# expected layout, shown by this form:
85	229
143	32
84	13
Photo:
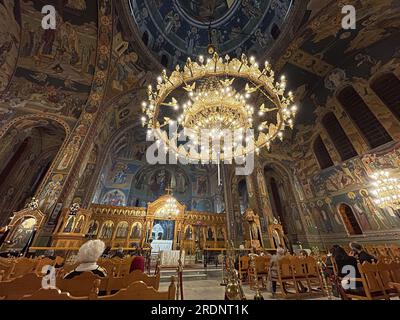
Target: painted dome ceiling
176	29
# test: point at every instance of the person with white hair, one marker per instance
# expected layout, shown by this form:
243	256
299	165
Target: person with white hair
88	255
273	270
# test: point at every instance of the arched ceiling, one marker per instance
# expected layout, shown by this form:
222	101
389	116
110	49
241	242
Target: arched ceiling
176	29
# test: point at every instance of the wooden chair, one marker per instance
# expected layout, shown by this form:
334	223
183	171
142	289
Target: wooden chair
118	283
387	276
16	288
395	286
373	288
285	275
313	274
299	269
81	286
138	291
21	267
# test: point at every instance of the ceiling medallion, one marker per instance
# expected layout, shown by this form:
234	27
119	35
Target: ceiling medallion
222	94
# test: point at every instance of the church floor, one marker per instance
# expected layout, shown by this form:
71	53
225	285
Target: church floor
211	289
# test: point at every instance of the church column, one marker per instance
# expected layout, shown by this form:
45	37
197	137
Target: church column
61	179
329	146
378	108
266	208
349	128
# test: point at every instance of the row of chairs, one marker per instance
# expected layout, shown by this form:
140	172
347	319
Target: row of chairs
11	268
136	291
300	274
299	277
80	286
377	281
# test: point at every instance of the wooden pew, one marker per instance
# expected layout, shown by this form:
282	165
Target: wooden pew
117	283
16	288
51	294
138	291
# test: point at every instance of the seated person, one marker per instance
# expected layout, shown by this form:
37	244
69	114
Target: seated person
343	262
137	264
119	253
88	255
360	254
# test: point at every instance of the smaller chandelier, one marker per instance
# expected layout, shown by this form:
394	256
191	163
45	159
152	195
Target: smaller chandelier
170	208
386	190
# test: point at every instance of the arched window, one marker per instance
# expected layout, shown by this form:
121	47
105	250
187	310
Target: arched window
387	88
362	116
164	61
350	221
322	154
338	137
243	200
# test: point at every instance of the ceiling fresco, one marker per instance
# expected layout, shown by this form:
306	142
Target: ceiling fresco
314	64
175	30
55	68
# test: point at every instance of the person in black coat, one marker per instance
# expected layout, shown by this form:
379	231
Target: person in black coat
343	262
360	254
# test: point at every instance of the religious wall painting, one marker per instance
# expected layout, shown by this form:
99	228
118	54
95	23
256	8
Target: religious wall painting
70	153
93	228
114	197
188	233
69	51
203	205
9	40
122	230
137	230
384	158
129	74
51	193
22	234
201	185
338	178
55	214
361	208
153	182
210	234
220	234
119	175
69	225
308	218
107	230
46	93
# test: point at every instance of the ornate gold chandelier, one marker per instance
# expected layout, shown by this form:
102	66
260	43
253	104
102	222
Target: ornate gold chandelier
387	190
217	95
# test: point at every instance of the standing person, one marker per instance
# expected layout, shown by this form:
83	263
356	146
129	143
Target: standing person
88	255
360	254
273	269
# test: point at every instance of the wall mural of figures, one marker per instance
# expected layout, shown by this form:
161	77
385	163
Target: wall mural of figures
69	51
55	67
114	198
350	183
9	40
